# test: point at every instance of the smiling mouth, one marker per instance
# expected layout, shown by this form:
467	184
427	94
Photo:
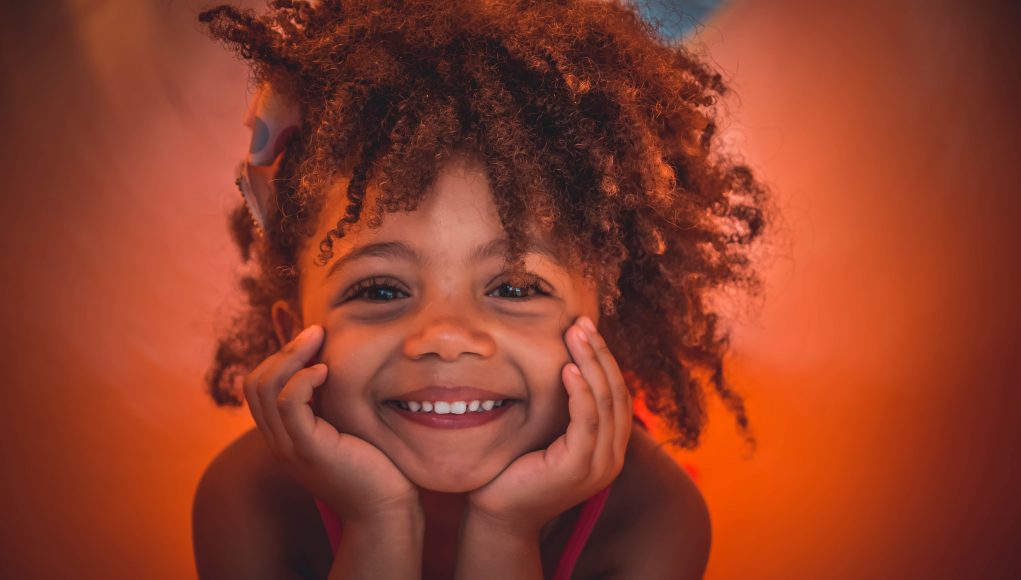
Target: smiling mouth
452	414
451	407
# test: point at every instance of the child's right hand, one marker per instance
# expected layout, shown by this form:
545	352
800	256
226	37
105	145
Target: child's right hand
353	477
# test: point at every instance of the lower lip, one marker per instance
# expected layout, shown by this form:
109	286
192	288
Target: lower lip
452	421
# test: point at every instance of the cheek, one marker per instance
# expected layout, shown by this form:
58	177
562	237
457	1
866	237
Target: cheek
541	354
345	399
548	404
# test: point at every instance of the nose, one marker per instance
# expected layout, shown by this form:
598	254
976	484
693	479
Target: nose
448	338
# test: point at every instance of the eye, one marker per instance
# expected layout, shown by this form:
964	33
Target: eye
378	290
529	291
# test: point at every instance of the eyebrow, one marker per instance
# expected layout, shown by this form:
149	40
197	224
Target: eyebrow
394	250
399	250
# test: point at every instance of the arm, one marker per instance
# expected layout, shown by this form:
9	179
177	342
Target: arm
679	550
389	546
673	537
236	522
490	550
245	513
245	523
384	522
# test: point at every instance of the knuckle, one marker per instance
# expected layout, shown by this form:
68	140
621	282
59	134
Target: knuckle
591	424
285	403
580	475
606	401
622	395
615	460
249	386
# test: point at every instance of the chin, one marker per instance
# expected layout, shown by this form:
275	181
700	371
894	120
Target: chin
452	479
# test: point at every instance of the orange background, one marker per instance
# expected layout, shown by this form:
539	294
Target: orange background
878	367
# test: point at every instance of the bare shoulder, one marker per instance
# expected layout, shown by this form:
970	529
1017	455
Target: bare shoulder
656	522
250	520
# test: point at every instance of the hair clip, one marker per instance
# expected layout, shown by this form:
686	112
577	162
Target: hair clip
256	193
273	121
678	20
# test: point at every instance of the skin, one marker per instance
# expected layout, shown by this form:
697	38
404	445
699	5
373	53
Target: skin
462	503
445	326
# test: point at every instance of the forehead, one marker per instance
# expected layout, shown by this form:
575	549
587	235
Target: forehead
457	214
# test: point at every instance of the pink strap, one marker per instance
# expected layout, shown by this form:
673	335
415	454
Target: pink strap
334	527
582	529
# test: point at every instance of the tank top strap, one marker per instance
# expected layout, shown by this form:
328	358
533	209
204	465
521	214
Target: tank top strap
579	536
334	527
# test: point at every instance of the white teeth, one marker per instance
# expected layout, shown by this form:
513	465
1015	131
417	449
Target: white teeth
450	407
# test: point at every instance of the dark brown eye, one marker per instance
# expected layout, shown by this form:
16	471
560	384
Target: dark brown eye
375	290
527	292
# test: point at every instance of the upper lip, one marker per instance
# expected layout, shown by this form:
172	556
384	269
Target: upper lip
451	394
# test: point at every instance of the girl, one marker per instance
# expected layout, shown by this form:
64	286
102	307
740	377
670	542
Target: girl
479	230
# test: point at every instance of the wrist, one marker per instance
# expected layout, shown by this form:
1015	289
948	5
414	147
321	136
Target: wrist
385	544
478	521
410	516
497	549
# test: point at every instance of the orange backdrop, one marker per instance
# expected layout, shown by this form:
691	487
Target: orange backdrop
878	367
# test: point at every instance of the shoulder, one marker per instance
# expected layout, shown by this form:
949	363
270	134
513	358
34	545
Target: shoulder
249	519
658	525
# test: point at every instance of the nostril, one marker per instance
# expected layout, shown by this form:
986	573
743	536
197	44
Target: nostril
449	343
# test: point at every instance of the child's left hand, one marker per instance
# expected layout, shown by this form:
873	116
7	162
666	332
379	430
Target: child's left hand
539	485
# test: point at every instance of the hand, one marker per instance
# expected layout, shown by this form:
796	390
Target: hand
353	477
539	485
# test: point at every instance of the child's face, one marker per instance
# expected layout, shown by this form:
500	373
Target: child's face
446	320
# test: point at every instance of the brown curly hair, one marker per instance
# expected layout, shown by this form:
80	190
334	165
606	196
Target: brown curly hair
588	122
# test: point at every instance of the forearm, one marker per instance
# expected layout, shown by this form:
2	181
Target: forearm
387	547
493	551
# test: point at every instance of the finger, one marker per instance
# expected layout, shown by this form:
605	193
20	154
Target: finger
296	416
281	366
592	371
623	406
251	398
580	438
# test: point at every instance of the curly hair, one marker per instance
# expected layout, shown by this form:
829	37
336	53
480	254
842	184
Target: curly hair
587	121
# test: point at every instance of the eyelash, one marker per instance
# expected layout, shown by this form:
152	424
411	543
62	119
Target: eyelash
534	286
361	288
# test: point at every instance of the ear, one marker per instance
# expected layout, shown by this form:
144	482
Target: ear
286	322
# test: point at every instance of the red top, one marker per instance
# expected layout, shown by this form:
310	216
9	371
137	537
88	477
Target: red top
565	567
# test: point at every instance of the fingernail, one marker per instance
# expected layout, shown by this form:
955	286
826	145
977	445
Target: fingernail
586	323
304	334
581	335
573	368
